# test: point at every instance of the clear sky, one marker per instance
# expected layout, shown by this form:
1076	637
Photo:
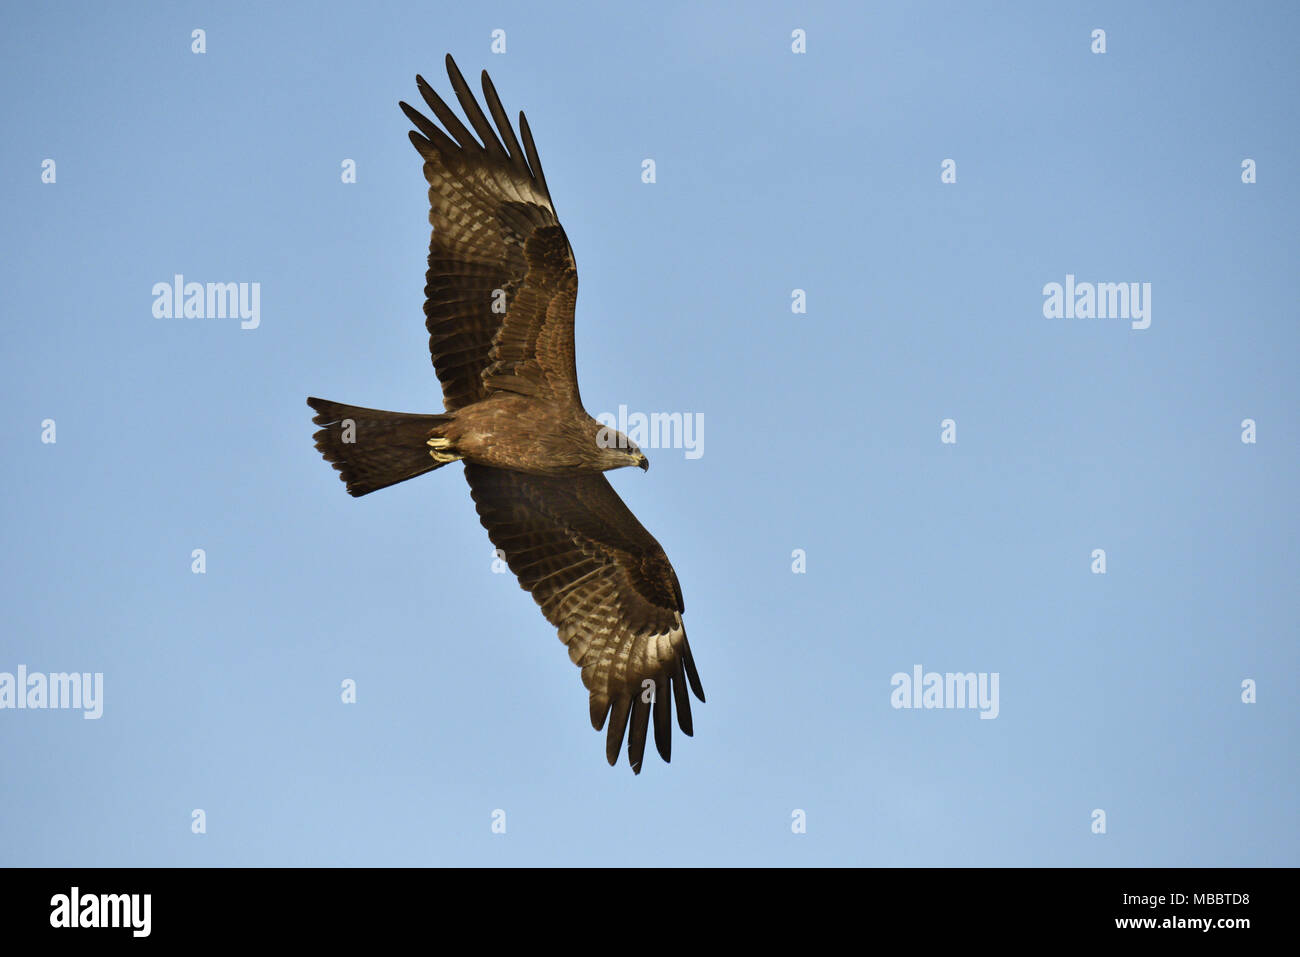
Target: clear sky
775	171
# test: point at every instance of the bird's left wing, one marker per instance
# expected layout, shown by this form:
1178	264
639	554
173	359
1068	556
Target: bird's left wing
608	587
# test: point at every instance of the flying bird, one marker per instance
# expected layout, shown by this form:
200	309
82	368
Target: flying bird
499	307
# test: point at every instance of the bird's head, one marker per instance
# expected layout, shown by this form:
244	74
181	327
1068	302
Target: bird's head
615	450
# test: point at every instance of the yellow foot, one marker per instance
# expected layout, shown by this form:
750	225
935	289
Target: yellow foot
439	449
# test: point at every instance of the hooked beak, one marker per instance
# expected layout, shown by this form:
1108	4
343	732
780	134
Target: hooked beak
645	464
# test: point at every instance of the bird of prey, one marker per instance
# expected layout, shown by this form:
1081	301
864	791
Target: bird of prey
499	300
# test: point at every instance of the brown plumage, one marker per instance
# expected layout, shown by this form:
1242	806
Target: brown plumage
499	303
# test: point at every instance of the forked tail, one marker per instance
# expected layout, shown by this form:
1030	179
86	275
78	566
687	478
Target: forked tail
373	449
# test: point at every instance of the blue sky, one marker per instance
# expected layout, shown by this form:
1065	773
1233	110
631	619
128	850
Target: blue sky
775	171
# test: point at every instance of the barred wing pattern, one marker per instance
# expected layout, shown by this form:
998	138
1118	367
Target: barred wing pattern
608	587
496	243
597	574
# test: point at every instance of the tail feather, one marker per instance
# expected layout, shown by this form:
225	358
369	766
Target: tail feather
373	449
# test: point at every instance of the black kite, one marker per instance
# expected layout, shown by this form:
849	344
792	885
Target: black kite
499	301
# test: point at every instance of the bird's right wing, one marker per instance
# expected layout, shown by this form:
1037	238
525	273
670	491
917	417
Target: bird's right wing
502	284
